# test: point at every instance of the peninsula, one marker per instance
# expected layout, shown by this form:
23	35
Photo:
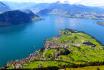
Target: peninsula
72	49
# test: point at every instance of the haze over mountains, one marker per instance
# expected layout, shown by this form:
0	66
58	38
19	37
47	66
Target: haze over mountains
11	16
71	10
40	6
36	7
3	7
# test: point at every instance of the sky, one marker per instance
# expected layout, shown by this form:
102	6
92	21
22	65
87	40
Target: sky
83	2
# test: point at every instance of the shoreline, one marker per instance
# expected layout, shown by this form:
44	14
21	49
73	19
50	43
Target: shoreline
33	56
87	34
20	24
79	17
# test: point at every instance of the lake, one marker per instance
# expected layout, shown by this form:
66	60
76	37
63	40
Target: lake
18	42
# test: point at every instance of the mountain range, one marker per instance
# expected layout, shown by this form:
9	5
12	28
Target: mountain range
72	10
46	7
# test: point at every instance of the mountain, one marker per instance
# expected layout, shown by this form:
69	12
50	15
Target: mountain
16	17
57	5
38	7
3	7
60	8
71	8
35	7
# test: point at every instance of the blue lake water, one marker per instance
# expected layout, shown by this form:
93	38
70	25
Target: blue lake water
18	42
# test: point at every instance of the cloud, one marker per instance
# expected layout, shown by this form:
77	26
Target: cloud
92	2
84	2
37	1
